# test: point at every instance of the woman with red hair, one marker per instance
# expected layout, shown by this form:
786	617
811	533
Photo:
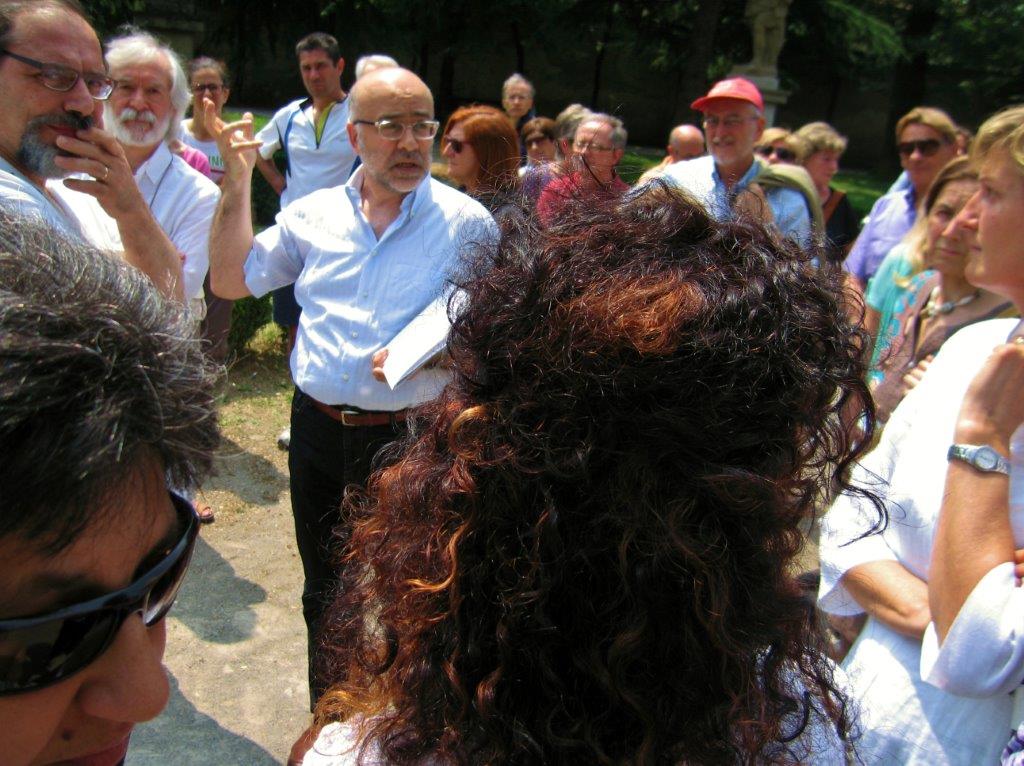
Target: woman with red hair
482	150
584	552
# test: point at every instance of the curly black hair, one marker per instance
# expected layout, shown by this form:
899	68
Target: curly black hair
583	552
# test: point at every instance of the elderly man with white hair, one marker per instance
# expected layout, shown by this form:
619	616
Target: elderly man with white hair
144	113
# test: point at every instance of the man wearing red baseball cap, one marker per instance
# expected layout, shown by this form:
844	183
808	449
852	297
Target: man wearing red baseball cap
733	121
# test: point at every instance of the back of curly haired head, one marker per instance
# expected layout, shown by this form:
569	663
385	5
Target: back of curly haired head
99	376
582	552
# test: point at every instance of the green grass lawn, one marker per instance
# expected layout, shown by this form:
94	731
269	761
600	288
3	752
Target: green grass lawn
862	187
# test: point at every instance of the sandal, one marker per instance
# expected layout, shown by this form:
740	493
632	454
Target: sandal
205	513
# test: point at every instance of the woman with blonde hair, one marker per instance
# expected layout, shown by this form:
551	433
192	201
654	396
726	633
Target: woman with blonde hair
824	146
925	564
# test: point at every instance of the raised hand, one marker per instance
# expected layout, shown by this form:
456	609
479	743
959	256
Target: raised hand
235	140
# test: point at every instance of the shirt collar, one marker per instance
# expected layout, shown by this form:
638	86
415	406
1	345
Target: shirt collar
740	185
157	163
412	203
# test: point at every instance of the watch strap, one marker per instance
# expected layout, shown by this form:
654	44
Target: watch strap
979	456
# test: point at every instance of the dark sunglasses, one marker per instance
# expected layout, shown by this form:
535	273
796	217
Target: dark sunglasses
927	147
40	651
781	152
456	145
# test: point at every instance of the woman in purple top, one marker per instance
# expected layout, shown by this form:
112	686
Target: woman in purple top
926	139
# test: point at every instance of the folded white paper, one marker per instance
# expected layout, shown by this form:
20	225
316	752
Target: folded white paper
419	341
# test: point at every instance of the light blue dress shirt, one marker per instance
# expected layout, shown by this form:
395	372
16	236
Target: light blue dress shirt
357	291
701	179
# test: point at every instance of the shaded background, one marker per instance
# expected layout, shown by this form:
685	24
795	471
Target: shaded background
858	65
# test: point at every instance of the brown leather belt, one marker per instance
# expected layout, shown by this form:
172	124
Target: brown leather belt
357	418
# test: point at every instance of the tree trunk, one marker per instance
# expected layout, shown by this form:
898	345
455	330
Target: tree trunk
602	47
517	40
694	81
910	76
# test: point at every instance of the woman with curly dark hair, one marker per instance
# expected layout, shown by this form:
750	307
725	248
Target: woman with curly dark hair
584	551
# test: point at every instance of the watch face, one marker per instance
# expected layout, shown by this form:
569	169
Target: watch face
986	458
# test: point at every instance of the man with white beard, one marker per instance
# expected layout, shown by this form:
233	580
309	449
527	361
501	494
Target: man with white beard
144	112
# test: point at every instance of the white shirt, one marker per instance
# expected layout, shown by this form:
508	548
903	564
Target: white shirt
357	292
907	469
86	221
818	744
700	178
209	148
312	165
182	200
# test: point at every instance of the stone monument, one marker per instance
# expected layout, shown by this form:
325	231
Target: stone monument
767	22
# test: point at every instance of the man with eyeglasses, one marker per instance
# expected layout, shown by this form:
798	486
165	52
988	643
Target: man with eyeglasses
366	258
106	401
727	179
313	136
53	82
597	148
926	139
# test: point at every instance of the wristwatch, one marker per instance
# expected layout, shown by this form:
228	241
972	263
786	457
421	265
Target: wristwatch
982	457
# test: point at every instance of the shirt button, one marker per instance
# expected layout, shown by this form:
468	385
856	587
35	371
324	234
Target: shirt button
344	376
355	334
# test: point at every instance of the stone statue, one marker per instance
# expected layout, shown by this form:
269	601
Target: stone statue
767	21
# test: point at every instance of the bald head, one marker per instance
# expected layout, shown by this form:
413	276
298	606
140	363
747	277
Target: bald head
685	142
391	88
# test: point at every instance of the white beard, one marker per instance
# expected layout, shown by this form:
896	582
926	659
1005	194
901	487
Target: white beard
134	136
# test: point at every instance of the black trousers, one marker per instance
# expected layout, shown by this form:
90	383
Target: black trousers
323	458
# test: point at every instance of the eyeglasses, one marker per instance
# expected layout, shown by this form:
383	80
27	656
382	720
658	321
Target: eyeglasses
455	144
729	123
44	650
393	130
62	78
781	152
212	87
927	147
587	146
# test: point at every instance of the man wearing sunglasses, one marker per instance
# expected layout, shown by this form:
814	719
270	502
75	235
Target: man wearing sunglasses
728	179
53	82
106	400
926	139
366	258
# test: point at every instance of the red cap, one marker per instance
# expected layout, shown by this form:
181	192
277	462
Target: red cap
738	88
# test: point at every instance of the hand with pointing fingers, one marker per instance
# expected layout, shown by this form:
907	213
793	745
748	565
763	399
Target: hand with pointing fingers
235	140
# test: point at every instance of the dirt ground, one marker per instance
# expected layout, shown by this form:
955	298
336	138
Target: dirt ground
236	646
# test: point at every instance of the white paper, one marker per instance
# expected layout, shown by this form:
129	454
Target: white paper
419	341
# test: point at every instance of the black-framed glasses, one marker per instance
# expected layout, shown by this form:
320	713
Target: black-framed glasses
63	78
212	87
927	147
455	144
43	650
781	152
393	130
